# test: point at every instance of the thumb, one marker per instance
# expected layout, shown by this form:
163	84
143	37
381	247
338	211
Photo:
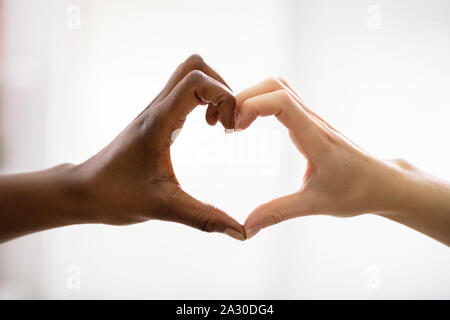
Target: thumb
276	211
205	217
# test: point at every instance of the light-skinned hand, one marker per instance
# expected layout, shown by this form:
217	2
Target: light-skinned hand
341	179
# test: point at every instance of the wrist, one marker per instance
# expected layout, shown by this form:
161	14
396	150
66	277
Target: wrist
41	200
76	194
392	185
409	192
422	203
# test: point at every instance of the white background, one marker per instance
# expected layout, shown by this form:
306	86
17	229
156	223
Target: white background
377	70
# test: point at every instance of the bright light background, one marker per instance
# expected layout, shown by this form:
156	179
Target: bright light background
75	73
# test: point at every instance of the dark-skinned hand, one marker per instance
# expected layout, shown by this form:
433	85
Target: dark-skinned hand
131	180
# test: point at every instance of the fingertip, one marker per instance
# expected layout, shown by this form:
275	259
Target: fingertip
250	226
224	109
228	124
240	121
251	231
246	115
253	224
212	121
226	224
238	235
260	218
233	228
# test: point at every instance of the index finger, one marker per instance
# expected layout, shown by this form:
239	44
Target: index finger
198	88
302	127
194	62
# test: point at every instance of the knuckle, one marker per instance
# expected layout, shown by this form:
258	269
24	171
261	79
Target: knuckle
282	80
273	82
277	217
195	76
209	225
194	61
197	221
272	213
203	222
284	97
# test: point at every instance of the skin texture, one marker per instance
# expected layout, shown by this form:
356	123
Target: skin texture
341	179
131	180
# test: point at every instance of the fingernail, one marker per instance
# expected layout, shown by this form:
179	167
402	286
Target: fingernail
234	234
229	130
252	231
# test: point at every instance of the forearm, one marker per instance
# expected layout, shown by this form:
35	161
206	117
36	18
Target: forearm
41	200
423	204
